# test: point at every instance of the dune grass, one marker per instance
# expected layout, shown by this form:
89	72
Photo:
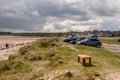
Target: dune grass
51	58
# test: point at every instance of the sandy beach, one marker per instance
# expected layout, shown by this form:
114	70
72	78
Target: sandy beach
15	43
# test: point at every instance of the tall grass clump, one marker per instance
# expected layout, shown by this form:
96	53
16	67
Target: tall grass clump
13	66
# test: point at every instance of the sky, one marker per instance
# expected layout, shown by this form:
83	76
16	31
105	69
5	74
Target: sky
59	15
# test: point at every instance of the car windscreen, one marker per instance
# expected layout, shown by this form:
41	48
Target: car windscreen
94	39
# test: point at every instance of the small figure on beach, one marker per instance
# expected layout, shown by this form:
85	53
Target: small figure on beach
7	45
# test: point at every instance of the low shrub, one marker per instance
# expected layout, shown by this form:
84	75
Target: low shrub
35	58
48	42
4	68
118	40
23	52
51	54
60	61
68	74
16	66
12	56
44	43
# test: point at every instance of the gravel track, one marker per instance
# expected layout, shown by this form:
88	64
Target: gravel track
112	48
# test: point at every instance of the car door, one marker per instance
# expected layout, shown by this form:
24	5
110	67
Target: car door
91	42
87	42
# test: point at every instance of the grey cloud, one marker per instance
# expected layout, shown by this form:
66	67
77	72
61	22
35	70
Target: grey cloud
104	7
33	15
111	25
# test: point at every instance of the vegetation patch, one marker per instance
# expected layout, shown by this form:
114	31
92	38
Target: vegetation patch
48	60
110	40
13	67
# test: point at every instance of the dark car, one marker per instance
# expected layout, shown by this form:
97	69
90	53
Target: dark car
93	37
69	39
90	42
74	41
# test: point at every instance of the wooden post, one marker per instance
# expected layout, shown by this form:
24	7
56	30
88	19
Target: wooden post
78	59
84	61
90	61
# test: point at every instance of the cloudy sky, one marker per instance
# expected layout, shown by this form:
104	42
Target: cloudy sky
59	15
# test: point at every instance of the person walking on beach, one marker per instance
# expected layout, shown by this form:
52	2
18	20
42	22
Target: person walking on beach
7	45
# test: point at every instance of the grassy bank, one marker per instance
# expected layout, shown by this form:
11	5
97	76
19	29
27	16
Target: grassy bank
110	40
53	59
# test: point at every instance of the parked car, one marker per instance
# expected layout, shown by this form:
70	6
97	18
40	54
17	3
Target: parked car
74	41
69	39
90	42
93	37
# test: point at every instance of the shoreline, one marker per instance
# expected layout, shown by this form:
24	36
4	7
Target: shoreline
15	43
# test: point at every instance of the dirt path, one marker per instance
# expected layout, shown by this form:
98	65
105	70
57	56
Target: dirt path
113	76
112	48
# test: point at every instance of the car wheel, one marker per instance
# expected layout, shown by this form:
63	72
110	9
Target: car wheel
98	45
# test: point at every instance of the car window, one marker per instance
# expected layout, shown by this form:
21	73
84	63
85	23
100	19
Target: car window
94	40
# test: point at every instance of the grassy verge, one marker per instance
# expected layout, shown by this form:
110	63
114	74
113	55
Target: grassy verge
53	59
110	40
